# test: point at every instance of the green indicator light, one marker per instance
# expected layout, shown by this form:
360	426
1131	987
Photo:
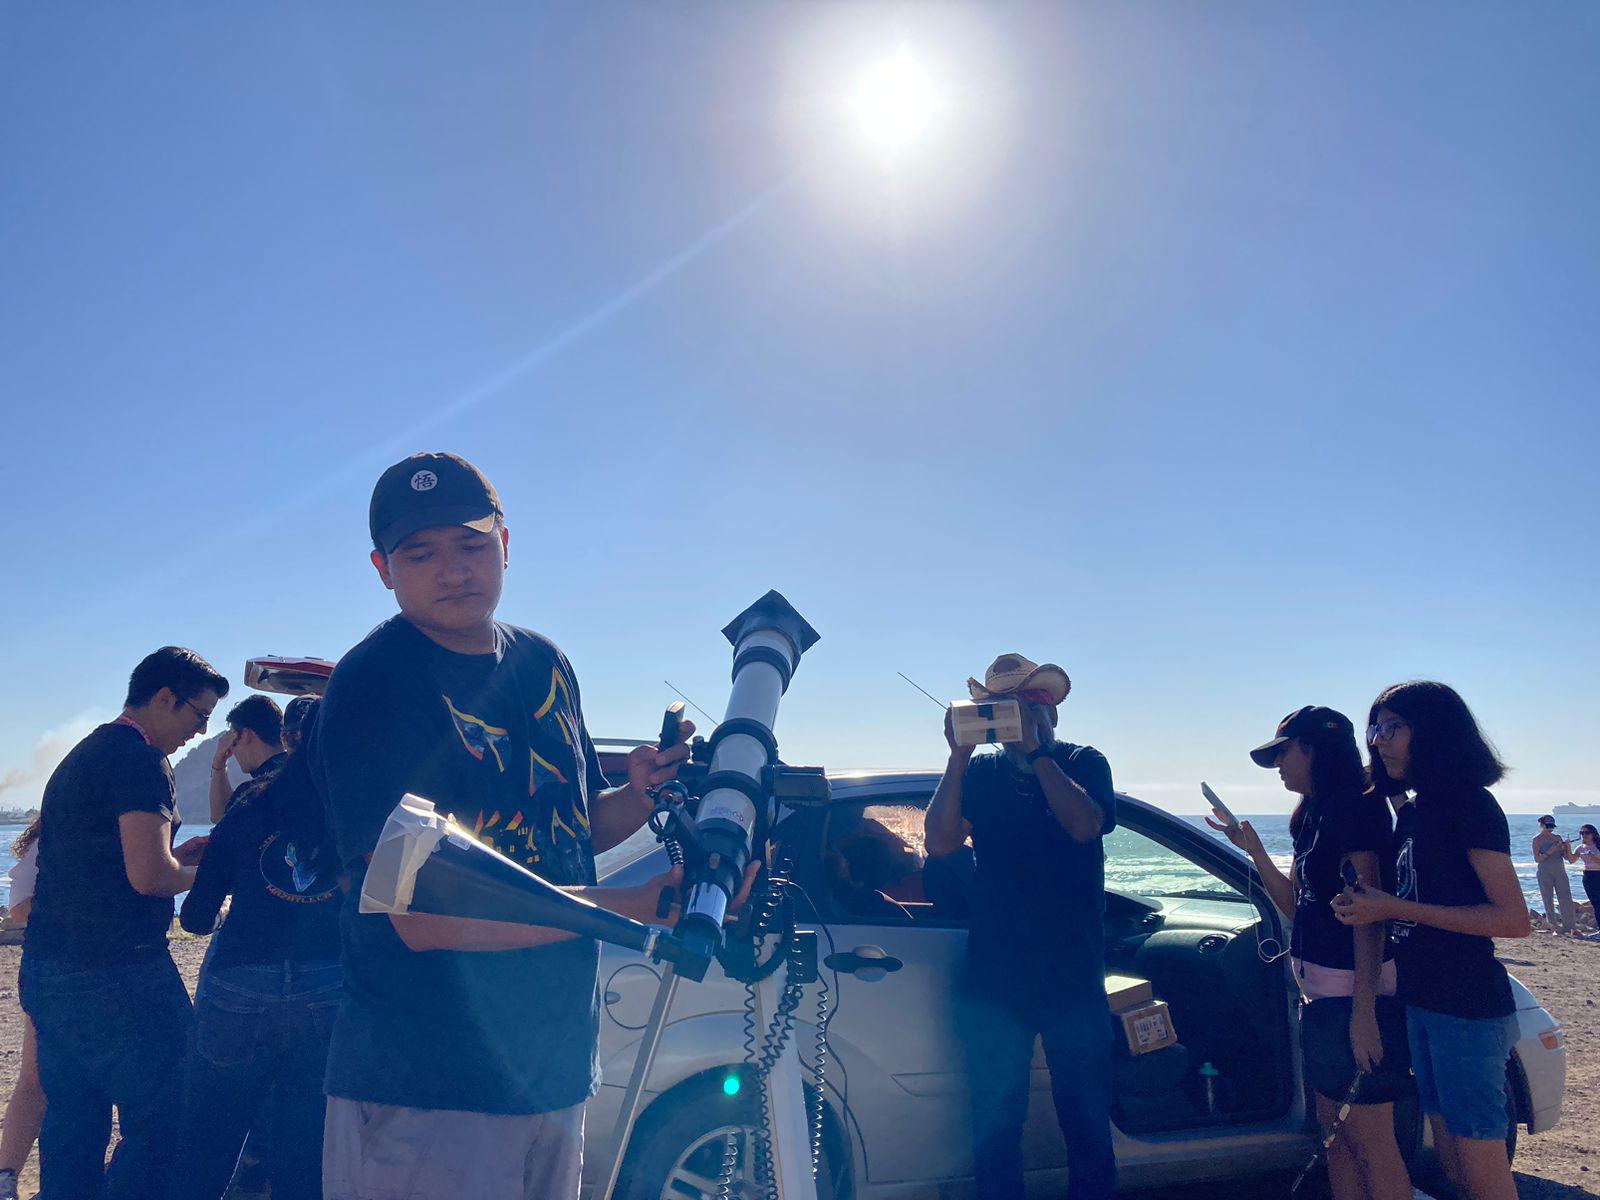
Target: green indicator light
730	1086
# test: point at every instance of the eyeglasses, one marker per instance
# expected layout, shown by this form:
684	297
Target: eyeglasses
203	714
1384	731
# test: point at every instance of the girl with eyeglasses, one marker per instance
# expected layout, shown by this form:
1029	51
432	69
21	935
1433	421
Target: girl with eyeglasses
1455	892
1587	852
1350	1023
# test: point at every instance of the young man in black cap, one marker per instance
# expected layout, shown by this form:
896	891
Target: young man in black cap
1036	813
465	1049
110	1009
255	741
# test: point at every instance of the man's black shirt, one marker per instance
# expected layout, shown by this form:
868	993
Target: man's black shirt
497	741
1445	972
84	909
284	880
1038	897
269	767
1334	828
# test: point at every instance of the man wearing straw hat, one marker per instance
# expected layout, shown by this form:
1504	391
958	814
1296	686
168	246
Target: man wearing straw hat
1035	812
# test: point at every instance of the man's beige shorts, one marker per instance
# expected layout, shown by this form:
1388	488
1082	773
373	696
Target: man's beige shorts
385	1152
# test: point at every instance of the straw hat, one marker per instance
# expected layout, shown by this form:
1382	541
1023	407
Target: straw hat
1011	673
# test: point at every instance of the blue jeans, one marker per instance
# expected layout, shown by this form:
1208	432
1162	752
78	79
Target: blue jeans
1460	1064
259	1050
107	1036
999	1035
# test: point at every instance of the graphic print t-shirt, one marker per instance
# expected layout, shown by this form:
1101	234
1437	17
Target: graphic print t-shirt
1452	973
84	909
497	741
1334	828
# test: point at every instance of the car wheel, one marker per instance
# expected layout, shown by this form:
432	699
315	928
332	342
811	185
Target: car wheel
679	1152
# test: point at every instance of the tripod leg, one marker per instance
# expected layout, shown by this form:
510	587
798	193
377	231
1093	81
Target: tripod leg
642	1063
786	1101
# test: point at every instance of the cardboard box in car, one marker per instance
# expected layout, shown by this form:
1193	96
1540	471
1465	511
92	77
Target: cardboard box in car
1148	1027
980	722
1124	991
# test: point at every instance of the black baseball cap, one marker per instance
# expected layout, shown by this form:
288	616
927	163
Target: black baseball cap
426	490
1313	723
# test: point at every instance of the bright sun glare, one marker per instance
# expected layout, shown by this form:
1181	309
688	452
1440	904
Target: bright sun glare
895	101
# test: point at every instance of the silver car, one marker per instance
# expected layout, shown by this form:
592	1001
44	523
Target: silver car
1182	912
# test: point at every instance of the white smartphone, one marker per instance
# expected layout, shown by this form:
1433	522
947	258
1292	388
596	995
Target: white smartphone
1216	802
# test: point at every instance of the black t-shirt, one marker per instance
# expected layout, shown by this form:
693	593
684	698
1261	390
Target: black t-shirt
497	741
1452	973
84	909
1333	829
284	879
271	767
1038	895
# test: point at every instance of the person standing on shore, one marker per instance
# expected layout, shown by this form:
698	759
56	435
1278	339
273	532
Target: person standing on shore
1036	812
465	1050
110	1009
1588	853
25	1109
1552	853
1456	891
255	741
1350	1022
267	996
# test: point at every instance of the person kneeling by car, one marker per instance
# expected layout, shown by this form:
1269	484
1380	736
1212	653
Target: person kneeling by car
1036	813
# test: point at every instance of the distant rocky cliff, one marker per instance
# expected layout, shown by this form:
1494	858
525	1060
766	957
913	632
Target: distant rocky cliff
193	775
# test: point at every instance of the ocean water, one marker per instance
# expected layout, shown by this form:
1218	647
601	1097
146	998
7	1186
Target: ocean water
1132	862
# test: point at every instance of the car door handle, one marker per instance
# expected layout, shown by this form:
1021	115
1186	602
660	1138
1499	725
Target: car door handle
867	963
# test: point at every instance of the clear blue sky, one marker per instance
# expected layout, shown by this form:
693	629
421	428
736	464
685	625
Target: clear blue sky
1233	356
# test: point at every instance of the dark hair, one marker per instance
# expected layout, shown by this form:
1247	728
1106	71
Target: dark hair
261	716
1336	775
1448	751
27	837
184	671
1583	829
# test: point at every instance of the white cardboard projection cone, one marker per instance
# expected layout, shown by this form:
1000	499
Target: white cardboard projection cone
412	832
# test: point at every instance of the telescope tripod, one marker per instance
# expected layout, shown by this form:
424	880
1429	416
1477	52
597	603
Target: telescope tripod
784	1152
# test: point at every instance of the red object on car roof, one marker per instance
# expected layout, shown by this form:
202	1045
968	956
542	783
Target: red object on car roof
291	676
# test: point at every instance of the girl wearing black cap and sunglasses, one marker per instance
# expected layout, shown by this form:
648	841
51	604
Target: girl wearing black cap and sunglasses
1352	1031
1455	892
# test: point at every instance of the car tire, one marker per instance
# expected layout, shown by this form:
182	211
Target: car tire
678	1146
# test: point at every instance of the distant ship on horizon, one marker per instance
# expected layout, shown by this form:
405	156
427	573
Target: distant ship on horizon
1577	812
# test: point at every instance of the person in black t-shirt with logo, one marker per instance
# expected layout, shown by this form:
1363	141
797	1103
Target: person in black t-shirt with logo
1036	813
109	1007
268	992
465	1050
1455	892
1350	1022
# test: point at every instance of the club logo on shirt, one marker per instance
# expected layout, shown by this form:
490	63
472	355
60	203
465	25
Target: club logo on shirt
1405	887
296	873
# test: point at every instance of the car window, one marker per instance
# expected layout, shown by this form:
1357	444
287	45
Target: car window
1141	866
874	870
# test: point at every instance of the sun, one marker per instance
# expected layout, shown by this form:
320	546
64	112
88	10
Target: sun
895	100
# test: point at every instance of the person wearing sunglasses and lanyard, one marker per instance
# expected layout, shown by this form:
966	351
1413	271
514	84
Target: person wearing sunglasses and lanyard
1455	892
1350	1024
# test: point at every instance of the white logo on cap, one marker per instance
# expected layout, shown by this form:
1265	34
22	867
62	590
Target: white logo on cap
424	481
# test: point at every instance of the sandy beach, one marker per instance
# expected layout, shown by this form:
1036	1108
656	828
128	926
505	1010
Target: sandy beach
1562	1164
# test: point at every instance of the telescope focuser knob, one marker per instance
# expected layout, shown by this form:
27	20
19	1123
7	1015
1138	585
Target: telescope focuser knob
665	901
